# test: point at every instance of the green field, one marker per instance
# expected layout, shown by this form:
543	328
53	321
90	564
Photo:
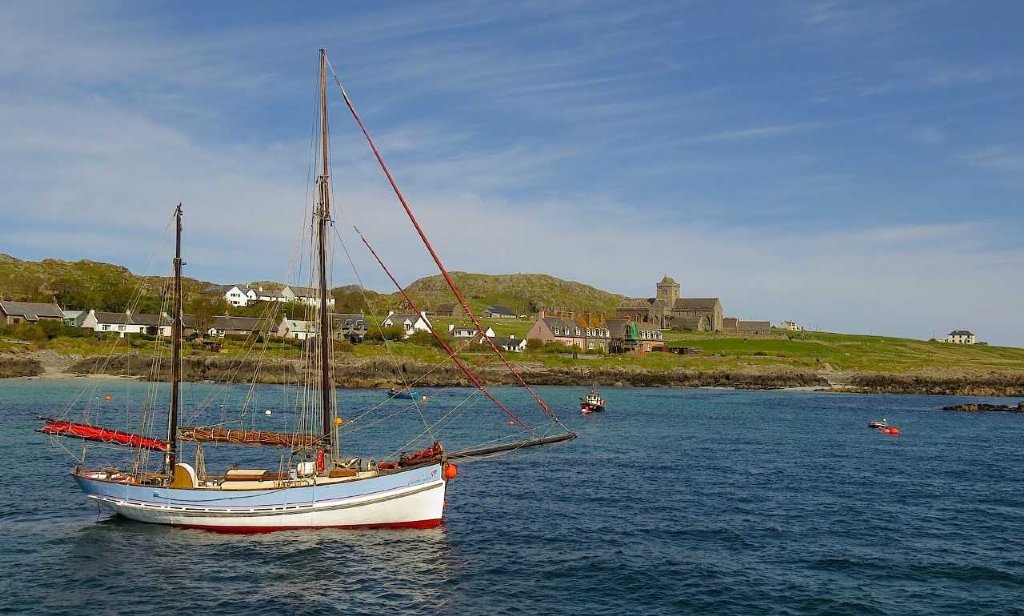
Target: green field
821	350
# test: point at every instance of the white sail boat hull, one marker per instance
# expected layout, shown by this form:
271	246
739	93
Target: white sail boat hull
412	498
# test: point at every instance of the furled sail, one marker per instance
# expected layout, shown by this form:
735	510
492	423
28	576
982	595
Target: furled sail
89	432
210	434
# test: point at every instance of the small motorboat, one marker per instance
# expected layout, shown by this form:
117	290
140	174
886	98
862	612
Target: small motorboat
405	394
884	427
591	403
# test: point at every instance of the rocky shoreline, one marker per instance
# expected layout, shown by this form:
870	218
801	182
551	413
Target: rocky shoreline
381	372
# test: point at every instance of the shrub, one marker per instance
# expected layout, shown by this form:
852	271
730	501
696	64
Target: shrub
423	339
379	334
533	344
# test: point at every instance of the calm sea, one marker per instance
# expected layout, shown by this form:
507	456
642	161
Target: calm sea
671	502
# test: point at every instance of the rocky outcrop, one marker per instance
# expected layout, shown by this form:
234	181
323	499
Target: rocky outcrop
989	384
986	408
13	366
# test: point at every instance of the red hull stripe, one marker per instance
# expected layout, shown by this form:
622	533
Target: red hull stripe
250	530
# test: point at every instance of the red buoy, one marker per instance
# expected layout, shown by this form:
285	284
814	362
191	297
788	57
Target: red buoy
450	471
320	461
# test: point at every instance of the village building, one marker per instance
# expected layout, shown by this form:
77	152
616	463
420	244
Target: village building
467	332
449	311
239	326
569	332
350	326
499	312
511	344
791	326
668	310
304	295
74	318
127	323
961	336
410	322
730	324
240	296
29	312
756	328
627	336
296	329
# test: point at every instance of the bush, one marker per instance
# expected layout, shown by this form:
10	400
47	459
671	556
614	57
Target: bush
533	344
379	334
423	339
28	332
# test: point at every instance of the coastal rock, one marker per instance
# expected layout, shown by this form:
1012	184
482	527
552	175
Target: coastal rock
986	408
13	366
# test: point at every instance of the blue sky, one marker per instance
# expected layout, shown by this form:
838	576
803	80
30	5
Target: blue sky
855	166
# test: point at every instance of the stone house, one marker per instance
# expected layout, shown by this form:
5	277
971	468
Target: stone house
449	311
668	310
626	336
756	328
29	312
568	332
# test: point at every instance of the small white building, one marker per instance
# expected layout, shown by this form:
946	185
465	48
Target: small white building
466	332
296	329
411	322
512	344
792	326
240	296
127	323
304	295
961	336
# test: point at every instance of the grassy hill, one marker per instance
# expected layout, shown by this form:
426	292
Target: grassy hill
83	284
523	293
104	286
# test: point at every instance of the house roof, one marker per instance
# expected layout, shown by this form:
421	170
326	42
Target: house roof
499	309
960	332
444	308
696	303
504	342
32	311
553	322
238	324
667	280
304	291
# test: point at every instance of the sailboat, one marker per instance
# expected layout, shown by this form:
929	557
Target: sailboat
316	486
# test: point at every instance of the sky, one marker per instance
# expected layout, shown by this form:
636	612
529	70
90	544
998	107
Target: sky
853	166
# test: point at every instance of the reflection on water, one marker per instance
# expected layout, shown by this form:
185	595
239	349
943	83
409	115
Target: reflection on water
323	571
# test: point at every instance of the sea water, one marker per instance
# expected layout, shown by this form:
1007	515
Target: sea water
673	501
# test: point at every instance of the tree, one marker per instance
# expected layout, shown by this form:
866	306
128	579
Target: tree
203	308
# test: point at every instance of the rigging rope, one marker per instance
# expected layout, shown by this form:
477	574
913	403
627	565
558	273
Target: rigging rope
433	253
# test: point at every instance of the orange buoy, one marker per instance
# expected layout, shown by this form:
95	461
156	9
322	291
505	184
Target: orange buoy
511	423
450	471
108	397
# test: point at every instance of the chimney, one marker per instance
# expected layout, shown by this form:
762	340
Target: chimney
540	314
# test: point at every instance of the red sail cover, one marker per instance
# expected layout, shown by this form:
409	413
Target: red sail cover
104	435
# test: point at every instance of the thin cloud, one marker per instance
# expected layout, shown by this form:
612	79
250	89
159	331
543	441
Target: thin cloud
757	132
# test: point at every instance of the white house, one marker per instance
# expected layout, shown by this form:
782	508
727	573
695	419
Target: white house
961	336
513	344
792	326
128	323
240	296
305	295
296	329
466	332
411	322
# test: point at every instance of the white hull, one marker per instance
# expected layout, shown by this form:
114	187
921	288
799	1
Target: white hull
407	499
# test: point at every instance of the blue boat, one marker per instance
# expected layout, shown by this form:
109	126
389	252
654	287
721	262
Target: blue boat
404	394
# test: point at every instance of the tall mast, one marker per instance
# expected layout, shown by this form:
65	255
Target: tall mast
172	416
322	218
